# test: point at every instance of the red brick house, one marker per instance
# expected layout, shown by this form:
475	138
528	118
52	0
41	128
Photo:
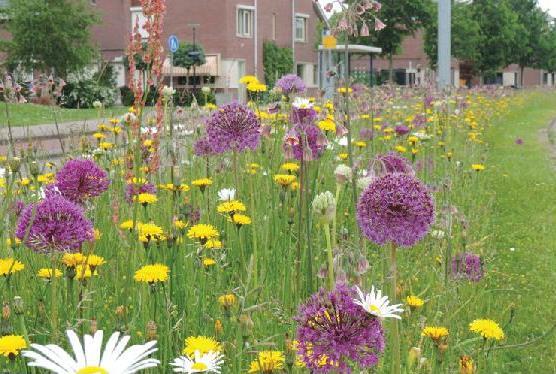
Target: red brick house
232	33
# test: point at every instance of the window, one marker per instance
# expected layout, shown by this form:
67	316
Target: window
137	16
300	28
245	22
300	70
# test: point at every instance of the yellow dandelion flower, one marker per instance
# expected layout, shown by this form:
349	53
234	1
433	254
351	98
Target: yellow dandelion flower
11	345
106	146
227	300
99	135
487	328
45	178
231	207
284	179
202	183
183	187
208	262
435	333
400	149
202	232
203	344
248	79
466	365
145	198
327	125
150	231
360	144
46	273
24	181
267	362
343	156
240	220
83	272
152	273
478	167
10	266
127	225
290	167
94	261
71	260
257	87
414	302
343	90
213	244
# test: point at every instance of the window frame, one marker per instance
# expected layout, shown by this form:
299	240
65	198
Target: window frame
241	12
305	19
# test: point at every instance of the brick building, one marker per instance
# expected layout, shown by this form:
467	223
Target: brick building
232	33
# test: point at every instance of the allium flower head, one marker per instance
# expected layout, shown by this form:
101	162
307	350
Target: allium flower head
332	325
324	206
467	266
309	143
233	127
55	223
395	208
390	163
81	179
290	83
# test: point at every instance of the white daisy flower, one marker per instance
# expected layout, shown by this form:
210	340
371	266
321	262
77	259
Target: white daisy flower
227	194
89	358
302	103
200	363
378	305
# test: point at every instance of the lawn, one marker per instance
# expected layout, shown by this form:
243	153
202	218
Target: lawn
33	114
523	182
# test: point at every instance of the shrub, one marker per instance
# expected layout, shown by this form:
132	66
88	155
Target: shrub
84	93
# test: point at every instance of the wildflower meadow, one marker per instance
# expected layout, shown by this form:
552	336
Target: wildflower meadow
383	230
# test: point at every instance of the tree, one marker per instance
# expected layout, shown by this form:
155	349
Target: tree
465	34
189	55
402	18
277	61
499	27
533	24
49	35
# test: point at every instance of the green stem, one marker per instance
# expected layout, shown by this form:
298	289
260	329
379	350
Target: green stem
330	255
396	355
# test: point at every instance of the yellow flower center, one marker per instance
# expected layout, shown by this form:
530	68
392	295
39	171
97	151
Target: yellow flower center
92	370
374	308
199	366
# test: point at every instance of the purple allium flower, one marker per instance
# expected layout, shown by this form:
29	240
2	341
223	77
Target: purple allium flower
467	266
134	189
395	208
81	179
307	142
390	163
366	134
303	117
233	127
401	130
333	332
290	83
519	141
202	148
54	223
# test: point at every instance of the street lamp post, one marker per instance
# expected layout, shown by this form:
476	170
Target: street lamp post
444	43
194	55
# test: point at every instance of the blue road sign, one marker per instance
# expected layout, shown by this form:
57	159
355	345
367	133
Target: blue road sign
173	43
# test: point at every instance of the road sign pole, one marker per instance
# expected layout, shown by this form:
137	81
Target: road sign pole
444	43
171	70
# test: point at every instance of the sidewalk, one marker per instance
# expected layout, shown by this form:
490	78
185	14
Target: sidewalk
44	138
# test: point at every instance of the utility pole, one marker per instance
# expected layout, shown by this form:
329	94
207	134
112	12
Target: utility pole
444	44
194	55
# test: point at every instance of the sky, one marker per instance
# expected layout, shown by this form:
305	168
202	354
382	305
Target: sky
549	5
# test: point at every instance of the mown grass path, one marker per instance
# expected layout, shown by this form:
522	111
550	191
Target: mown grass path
523	179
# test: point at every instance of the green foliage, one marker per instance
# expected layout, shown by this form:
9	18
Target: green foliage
183	56
277	61
465	34
50	35
84	93
402	18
